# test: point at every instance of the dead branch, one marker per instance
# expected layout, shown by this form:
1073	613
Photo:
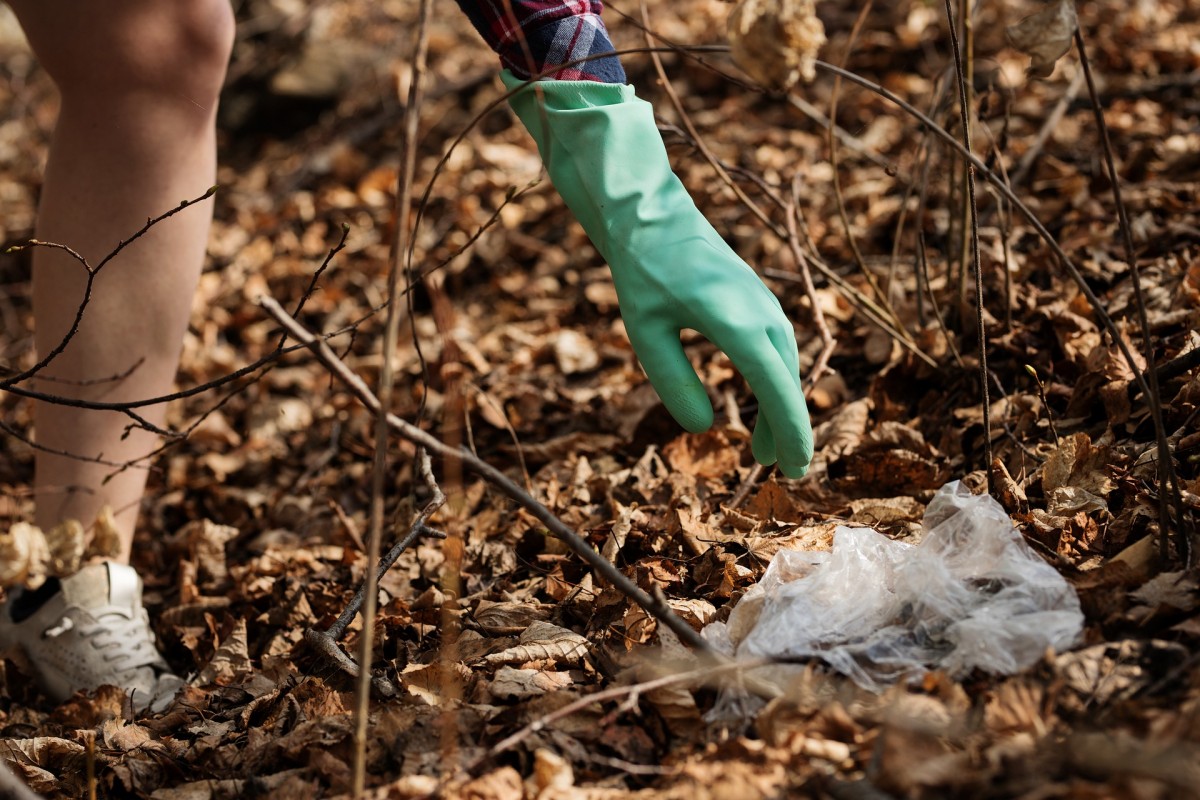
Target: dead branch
656	608
702	675
1169	486
972	213
1072	271
828	343
408	156
92	273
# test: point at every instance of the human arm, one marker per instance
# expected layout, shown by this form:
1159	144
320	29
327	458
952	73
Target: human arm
671	269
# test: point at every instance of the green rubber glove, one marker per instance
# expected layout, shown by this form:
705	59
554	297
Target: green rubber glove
671	269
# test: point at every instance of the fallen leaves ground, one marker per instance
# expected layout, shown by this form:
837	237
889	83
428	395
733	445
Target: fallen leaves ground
253	526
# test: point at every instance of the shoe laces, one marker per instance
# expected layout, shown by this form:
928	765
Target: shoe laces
123	641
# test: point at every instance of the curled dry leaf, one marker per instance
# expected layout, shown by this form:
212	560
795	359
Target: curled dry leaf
1045	36
551	771
39	760
543	641
231	662
776	41
206	542
520	684
106	538
511	614
66	547
24	556
575	353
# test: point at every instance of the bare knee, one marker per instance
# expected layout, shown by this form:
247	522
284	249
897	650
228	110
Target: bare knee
171	49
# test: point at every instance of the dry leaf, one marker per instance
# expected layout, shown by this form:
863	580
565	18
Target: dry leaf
776	41
520	684
543	641
66	547
206	542
574	353
1174	589
24	556
231	662
1045	36
49	764
106	537
551	771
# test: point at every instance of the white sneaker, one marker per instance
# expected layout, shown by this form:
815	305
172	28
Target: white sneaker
93	632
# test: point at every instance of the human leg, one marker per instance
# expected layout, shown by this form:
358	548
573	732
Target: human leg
139	81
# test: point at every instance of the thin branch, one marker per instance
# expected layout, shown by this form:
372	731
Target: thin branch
412	115
828	343
92	272
419	528
1093	299
606	570
688	125
839	199
1169	484
973	214
254	366
633	691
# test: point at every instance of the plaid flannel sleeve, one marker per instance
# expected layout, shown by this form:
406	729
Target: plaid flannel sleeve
554	31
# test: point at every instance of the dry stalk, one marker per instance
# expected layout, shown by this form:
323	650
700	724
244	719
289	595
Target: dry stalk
605	569
839	200
412	113
828	343
972	214
686	119
1168	486
631	692
964	64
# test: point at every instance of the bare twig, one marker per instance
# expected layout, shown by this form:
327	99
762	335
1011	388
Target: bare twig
827	341
419	528
183	394
633	691
839	199
1097	306
1169	486
605	569
92	273
1045	403
848	140
1047	129
747	485
973	215
408	157
686	119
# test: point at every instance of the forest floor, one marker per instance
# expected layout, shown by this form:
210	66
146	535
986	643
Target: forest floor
253	527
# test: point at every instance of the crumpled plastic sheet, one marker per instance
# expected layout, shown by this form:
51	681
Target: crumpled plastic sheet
971	595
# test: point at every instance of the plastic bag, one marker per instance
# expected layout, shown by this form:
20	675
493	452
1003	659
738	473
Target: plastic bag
971	595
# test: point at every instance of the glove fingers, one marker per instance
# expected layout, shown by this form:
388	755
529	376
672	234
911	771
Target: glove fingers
762	443
780	401
671	374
